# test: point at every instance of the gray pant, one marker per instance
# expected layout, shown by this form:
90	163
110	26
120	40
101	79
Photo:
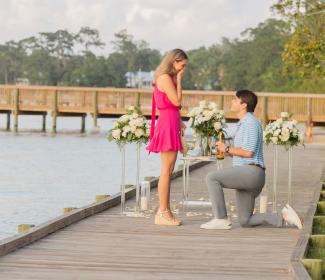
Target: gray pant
248	181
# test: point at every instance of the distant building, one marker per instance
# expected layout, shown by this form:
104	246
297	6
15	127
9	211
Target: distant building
22	81
139	79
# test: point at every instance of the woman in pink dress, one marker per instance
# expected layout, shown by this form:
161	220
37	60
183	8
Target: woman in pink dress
165	136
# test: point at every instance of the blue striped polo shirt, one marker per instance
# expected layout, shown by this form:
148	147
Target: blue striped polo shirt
249	137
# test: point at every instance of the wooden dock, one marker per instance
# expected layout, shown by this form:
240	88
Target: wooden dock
112	102
108	246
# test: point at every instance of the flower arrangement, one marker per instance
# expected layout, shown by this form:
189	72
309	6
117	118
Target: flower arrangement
283	132
131	127
206	120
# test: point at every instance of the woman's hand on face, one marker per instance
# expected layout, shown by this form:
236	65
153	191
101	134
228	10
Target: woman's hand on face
180	75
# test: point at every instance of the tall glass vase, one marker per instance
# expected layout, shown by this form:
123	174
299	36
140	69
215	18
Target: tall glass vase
205	145
123	180
290	174
275	176
137	181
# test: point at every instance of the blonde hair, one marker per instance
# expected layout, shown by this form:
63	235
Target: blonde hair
166	65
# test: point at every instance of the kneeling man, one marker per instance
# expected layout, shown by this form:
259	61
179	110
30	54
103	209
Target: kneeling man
247	176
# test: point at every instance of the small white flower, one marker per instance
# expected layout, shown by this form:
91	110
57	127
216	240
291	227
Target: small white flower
139	132
284	115
285	137
217	126
274	140
131	108
134	115
124	134
133	128
126	128
116	133
124	118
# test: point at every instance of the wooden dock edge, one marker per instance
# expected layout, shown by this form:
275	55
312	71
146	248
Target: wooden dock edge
297	268
15	242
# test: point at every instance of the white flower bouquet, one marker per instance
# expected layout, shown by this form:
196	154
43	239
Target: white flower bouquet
131	127
206	120
283	132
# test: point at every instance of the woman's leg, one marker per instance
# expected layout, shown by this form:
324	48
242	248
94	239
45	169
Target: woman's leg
168	160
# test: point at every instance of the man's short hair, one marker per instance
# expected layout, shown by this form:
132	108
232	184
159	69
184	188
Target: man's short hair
249	98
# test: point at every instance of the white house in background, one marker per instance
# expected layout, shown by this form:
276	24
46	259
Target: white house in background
139	79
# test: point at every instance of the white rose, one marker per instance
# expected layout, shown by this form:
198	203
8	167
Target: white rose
116	133
124	118
284	115
134	115
278	122
217	126
139	122
277	132
139	132
133	128
126	128
285	137
124	134
274	140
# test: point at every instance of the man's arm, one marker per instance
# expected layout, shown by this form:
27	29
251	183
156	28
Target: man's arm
249	145
239	152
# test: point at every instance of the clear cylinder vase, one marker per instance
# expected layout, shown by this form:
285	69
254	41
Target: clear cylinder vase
275	176
137	181
123	180
290	175
205	145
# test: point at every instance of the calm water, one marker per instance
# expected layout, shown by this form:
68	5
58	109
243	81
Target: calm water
40	173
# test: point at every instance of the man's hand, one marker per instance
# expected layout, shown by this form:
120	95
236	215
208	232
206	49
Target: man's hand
221	146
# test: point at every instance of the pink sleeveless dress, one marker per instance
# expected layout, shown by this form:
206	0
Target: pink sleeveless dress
165	136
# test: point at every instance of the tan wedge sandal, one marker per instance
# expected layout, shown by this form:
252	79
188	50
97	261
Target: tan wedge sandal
160	219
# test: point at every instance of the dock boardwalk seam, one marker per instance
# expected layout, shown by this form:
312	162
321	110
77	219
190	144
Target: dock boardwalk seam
15	242
297	268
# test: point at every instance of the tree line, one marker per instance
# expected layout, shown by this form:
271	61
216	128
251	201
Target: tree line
279	55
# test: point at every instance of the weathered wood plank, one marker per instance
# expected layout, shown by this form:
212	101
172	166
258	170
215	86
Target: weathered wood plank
108	246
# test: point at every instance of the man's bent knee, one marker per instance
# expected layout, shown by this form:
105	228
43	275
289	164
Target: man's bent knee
212	176
244	221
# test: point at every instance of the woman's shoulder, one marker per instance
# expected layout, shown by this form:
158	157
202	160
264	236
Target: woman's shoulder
164	78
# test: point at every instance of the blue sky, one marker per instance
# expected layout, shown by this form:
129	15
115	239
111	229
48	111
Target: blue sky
164	24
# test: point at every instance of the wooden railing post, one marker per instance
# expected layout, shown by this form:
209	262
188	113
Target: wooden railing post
309	123
16	109
221	102
264	111
95	108
138	100
44	122
54	110
8	121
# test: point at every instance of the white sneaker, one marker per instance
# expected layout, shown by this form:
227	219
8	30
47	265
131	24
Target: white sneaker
291	216
217	224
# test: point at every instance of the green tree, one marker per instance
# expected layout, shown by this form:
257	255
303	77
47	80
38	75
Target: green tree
304	52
